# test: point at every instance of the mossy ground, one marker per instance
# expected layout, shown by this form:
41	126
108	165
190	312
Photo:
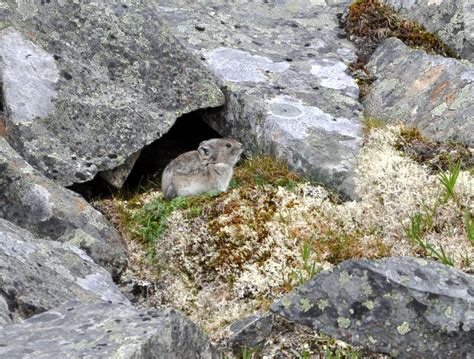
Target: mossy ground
221	257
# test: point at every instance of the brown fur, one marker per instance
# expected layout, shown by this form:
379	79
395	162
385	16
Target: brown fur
209	168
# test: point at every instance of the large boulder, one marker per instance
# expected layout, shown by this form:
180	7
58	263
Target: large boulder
405	307
88	84
432	93
37	275
283	69
452	20
107	331
50	211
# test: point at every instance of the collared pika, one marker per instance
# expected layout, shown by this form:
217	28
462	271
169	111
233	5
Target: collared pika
209	168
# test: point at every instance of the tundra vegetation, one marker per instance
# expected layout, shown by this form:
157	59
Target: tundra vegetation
220	257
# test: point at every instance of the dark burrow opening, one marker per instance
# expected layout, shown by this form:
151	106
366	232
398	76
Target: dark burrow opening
185	135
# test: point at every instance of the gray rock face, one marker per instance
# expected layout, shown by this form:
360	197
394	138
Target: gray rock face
105	330
452	20
283	70
432	93
250	332
405	307
49	211
86	84
37	275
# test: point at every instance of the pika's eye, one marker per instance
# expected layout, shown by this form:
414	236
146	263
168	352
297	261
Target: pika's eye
228	145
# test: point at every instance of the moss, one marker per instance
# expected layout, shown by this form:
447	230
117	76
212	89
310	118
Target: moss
338	245
437	155
403	328
375	21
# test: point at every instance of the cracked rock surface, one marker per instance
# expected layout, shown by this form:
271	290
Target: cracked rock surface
37	275
283	69
452	20
105	330
430	92
49	211
88	84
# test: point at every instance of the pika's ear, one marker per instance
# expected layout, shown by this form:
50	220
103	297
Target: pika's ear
205	151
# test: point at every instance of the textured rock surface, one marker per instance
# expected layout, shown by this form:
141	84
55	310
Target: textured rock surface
406	307
452	20
283	70
105	331
49	211
117	176
37	275
86	84
433	93
250	332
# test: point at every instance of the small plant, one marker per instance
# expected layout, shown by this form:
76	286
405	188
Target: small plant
247	353
308	269
469	222
304	354
415	232
448	179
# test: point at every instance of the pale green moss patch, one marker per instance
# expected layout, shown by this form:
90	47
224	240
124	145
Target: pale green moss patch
448	312
344	278
369	304
344	322
403	328
322	304
305	304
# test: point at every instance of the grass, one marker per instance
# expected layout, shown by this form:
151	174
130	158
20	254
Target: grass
308	268
146	223
421	224
448	179
469	223
415	233
258	170
247	353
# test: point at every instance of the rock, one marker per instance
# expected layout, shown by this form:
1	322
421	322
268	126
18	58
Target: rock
250	332
432	93
38	275
107	331
116	177
283	70
5	315
33	202
402	306
88	84
452	20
